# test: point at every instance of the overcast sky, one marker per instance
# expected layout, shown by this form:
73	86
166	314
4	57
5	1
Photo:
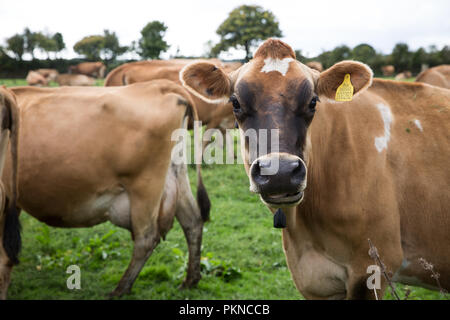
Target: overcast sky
311	26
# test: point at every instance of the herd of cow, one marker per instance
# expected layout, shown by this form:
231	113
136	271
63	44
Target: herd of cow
373	167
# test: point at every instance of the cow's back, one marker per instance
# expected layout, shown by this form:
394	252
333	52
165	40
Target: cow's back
438	76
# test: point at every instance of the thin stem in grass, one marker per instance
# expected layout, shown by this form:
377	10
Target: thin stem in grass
435	275
373	253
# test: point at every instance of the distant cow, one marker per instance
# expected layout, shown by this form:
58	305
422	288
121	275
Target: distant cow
211	115
74	80
438	76
403	75
49	74
92	69
339	173
35	79
91	155
10	241
316	65
388	71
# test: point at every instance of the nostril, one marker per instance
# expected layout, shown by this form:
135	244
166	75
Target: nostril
299	173
258	178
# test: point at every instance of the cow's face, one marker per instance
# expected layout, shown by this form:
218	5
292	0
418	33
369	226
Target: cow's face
277	96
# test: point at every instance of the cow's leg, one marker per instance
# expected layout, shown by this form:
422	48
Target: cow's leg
5	263
188	214
144	225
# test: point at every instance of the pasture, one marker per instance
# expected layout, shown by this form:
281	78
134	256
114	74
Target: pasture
242	255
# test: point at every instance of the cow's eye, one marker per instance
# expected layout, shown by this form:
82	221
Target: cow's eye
312	104
236	104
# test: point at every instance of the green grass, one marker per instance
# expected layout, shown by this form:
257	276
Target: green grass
242	253
23	82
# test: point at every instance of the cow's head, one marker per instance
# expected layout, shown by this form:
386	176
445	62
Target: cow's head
274	91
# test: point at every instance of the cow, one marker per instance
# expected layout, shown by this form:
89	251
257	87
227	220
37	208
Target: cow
74	80
342	172
220	117
88	155
35	79
403	76
438	76
91	69
388	71
316	65
10	240
49	74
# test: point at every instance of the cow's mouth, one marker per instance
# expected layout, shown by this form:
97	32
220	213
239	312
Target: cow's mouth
283	200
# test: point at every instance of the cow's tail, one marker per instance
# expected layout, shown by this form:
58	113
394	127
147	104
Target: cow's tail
202	195
12	241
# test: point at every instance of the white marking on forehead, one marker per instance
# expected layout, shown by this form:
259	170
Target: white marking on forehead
382	142
418	125
282	66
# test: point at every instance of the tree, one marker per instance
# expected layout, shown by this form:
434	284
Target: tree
45	43
30	41
90	47
111	47
364	53
16	44
245	27
59	40
401	57
152	42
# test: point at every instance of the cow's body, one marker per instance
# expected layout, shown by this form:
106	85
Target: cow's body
388	71
10	241
373	168
316	65
438	76
212	116
91	69
74	80
403	75
397	197
35	79
95	161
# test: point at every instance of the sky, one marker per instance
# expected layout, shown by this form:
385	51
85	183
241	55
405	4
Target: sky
311	26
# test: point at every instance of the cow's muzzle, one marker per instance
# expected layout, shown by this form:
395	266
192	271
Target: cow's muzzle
279	179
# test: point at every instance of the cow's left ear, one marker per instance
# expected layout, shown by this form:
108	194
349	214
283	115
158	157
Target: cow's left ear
331	79
206	81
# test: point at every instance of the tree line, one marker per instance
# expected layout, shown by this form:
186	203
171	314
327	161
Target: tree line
245	28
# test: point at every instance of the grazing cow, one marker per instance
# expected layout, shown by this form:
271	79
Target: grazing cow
403	76
438	76
388	71
105	155
316	65
35	79
74	80
9	215
92	69
220	117
49	74
375	167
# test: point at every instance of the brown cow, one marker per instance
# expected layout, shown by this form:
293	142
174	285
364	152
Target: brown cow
92	69
10	241
87	155
74	80
438	76
316	65
35	79
49	74
388	71
342	173
403	76
211	115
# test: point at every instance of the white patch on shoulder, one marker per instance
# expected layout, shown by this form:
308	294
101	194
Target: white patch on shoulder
418	125
381	143
282	66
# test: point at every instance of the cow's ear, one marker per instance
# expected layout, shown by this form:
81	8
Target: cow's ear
328	82
206	81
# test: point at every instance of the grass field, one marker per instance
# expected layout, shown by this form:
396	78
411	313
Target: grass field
242	253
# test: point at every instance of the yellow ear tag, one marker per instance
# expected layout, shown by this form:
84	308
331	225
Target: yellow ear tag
345	90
